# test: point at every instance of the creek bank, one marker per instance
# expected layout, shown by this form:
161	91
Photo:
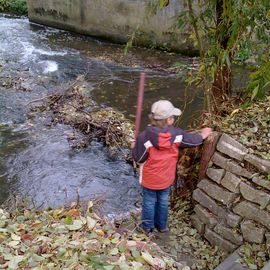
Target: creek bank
220	192
35	62
72	106
74	239
62	151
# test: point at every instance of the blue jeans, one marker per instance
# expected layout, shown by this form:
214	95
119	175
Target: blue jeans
155	208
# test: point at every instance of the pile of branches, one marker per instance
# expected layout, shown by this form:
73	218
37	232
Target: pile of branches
74	107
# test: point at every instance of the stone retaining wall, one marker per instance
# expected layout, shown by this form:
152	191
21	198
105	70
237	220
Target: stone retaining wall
233	199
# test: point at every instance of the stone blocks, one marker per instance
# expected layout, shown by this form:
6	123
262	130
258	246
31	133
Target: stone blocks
261	164
231	182
261	182
208	203
230	166
215	174
234	198
216	192
229	234
220	160
217	240
266	266
231	147
251	211
205	216
233	220
252	233
197	223
254	195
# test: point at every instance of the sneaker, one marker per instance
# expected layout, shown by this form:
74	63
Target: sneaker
145	231
164	230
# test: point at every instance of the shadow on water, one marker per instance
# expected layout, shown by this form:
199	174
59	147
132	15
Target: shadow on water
56	174
35	159
11	142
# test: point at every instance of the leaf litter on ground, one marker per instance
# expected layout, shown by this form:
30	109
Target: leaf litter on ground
250	125
68	239
186	242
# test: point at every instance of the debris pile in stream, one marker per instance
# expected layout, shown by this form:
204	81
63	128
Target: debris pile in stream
67	239
74	106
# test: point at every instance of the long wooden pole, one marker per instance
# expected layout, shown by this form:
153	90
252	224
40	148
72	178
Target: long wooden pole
139	104
139	113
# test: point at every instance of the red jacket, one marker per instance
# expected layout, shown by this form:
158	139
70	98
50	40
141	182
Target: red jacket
156	151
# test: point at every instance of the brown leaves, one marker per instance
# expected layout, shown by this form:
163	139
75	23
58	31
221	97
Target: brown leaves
27	238
186	241
250	126
72	213
65	239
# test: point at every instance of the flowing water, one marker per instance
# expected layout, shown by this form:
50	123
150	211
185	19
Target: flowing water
36	160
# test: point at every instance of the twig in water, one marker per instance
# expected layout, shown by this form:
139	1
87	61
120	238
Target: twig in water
78	198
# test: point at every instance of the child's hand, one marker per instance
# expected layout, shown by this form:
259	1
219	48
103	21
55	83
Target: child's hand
132	145
205	132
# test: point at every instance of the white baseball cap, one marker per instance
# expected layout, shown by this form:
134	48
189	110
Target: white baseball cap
163	109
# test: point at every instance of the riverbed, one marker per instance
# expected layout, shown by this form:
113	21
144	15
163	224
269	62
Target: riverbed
35	158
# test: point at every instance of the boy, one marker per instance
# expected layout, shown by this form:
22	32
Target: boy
156	151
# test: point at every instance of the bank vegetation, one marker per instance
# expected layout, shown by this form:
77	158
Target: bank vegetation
14	6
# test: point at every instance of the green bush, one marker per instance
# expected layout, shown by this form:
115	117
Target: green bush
18	6
4	5
15	6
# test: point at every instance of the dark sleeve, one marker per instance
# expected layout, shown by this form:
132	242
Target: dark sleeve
191	140
139	152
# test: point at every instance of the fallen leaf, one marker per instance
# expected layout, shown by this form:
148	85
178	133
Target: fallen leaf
91	223
148	258
77	224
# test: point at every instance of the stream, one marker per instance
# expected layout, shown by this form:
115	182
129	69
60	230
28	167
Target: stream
36	160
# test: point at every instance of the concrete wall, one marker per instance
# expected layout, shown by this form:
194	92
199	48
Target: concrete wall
115	20
233	199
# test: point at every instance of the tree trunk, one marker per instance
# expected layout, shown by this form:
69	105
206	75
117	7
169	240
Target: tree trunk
208	150
221	87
